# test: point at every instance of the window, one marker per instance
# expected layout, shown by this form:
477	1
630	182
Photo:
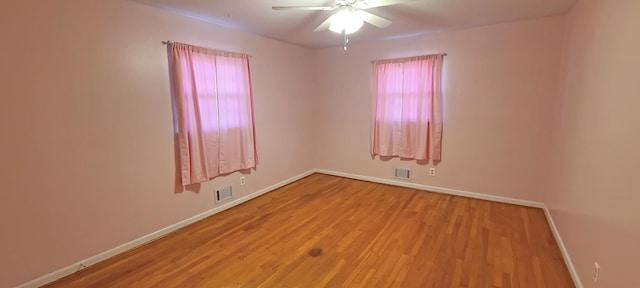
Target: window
214	111
220	83
407	118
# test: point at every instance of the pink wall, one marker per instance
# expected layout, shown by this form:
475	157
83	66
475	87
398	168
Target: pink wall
499	86
596	188
87	137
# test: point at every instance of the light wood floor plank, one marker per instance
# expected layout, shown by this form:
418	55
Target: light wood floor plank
371	235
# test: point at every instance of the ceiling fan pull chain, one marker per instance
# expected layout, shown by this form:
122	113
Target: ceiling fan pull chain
346	39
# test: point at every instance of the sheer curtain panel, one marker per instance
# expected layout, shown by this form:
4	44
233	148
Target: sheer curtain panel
407	110
214	111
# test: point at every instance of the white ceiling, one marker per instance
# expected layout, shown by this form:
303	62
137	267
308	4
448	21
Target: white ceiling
412	18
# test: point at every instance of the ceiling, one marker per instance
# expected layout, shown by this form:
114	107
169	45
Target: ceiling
409	19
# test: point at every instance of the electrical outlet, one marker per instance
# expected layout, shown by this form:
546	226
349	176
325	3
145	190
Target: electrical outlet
432	171
596	271
243	180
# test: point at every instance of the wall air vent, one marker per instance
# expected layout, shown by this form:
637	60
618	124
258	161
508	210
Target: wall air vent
402	173
223	193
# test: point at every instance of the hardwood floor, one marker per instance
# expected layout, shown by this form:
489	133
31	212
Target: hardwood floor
371	235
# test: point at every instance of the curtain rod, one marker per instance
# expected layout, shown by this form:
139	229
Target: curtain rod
443	54
171	42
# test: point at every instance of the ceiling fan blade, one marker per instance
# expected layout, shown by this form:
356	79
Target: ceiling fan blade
378	3
374	20
320	8
324	26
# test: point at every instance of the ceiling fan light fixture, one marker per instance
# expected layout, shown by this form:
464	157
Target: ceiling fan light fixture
346	21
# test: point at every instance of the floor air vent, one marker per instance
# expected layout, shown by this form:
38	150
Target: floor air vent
402	173
223	193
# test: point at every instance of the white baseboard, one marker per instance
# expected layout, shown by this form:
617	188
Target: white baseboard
435	189
554	230
162	232
153	236
563	249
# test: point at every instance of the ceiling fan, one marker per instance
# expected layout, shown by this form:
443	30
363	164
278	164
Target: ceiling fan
349	15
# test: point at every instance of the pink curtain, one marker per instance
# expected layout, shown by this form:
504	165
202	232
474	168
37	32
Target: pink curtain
407	115
214	111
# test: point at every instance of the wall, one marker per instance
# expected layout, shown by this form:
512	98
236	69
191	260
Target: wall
499	86
87	136
595	190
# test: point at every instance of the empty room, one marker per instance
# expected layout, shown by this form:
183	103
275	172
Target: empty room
320	143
